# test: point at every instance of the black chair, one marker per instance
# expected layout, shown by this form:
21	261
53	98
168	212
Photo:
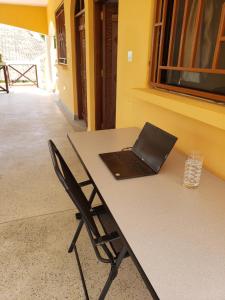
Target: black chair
113	248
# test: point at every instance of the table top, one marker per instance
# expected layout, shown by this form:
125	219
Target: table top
177	234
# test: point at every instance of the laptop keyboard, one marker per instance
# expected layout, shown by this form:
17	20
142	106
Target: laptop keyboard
125	164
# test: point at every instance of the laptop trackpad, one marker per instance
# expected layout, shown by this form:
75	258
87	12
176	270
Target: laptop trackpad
125	164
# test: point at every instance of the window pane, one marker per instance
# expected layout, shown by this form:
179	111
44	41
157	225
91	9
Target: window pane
159	10
221	61
61	35
207	37
189	36
213	83
208	33
155	66
178	30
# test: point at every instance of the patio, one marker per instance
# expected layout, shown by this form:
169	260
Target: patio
105	67
36	216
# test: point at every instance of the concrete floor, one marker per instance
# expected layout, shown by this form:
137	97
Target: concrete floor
36	216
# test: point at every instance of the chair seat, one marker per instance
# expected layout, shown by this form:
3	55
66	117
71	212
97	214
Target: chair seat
109	226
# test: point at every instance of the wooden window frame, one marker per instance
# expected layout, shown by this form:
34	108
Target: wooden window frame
61	35
159	31
80	7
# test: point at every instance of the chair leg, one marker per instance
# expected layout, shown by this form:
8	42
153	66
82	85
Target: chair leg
73	243
81	273
113	273
111	277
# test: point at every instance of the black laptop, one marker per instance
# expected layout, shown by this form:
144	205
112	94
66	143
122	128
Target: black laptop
145	158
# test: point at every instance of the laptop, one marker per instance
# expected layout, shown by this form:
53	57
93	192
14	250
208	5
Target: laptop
146	157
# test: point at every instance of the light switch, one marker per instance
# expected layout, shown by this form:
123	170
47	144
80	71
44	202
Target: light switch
130	56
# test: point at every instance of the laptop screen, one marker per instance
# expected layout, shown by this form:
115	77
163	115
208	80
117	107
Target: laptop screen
153	146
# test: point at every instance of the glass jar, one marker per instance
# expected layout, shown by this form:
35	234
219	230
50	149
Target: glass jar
193	170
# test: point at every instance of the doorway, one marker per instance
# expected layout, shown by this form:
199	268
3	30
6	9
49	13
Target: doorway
80	39
106	45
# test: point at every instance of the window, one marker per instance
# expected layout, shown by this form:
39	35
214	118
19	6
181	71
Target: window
188	53
79	7
61	35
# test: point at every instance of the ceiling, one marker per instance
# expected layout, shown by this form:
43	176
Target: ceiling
26	2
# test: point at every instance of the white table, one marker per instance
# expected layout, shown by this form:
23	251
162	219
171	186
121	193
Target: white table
176	234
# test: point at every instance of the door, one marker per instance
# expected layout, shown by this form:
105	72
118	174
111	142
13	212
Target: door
106	44
81	66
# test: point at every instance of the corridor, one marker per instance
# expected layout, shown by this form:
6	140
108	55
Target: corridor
36	216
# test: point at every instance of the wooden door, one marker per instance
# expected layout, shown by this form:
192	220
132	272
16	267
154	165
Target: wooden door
106	43
81	66
110	37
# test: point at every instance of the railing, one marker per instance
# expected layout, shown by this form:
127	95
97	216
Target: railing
4	84
22	74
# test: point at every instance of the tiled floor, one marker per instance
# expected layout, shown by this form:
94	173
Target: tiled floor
36	216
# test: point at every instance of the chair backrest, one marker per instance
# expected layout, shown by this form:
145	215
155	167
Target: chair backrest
72	187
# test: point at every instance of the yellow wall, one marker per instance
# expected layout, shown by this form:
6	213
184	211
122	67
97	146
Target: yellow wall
89	29
33	18
197	124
